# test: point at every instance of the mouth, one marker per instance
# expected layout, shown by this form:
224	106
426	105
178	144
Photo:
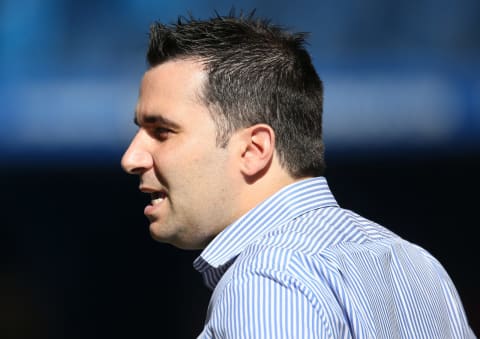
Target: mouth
157	198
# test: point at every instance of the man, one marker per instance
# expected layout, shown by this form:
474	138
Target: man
230	149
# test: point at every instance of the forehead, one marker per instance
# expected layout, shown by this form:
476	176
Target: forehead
174	79
171	91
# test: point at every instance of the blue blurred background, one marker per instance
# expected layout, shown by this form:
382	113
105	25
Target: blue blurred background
402	131
398	75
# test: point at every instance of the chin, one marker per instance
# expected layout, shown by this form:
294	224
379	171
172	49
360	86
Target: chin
158	236
160	233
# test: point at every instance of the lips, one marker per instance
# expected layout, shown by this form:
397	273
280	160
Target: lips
151	210
157	197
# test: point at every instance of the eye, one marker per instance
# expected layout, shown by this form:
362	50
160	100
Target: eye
161	133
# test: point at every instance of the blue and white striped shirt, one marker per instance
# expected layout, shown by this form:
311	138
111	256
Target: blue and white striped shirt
299	266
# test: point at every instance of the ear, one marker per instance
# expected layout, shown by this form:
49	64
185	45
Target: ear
258	150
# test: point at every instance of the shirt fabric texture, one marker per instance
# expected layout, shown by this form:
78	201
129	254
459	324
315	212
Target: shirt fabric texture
299	266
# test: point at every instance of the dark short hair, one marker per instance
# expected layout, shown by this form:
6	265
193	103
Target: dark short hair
257	73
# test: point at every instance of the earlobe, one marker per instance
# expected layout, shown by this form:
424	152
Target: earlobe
259	147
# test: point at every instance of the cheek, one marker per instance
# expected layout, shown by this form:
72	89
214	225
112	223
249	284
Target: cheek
170	156
194	163
206	173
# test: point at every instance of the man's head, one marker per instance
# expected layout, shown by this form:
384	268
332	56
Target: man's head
256	73
228	113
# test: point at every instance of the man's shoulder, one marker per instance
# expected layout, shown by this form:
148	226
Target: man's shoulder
306	246
315	231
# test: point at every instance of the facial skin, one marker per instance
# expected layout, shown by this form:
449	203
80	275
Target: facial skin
174	153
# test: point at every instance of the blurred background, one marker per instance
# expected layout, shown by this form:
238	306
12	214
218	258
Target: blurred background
402	131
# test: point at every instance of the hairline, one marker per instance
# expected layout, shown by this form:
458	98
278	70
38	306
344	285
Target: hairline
223	133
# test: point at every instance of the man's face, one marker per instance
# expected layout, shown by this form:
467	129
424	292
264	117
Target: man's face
174	153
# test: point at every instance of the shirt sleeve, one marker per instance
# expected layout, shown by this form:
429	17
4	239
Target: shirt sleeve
268	306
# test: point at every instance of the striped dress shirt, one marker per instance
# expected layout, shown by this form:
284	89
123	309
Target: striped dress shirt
299	266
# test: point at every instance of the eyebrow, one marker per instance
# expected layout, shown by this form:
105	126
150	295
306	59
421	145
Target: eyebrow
155	119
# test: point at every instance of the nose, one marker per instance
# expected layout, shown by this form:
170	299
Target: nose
137	159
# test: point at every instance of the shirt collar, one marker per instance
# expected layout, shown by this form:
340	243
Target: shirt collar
285	205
